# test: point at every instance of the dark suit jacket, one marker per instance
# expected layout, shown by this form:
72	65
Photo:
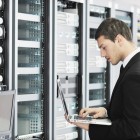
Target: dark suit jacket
124	107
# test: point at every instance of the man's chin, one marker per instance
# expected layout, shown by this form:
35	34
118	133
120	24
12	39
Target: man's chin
113	63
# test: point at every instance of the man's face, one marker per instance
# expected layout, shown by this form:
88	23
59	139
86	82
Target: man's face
109	49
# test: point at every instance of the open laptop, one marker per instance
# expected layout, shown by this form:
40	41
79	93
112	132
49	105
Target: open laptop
76	117
6	114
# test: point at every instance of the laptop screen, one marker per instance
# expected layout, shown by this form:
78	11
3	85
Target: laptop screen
61	93
6	110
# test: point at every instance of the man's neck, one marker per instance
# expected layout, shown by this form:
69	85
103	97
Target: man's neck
128	50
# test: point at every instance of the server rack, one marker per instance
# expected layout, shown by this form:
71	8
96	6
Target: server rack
27	77
67	52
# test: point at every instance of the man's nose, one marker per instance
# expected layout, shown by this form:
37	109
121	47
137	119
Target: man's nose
102	53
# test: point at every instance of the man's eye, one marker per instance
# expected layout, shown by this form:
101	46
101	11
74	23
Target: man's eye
103	48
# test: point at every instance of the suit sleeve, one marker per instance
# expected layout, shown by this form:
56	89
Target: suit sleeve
126	126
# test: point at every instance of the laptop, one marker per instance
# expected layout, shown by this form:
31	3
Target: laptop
6	114
76	117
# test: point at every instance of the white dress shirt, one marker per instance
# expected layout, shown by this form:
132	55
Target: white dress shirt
128	58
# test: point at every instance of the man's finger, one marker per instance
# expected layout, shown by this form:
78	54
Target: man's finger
82	111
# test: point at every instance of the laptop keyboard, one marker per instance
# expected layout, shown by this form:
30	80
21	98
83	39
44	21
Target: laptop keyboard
89	118
77	117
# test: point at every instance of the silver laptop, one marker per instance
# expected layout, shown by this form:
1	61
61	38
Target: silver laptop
76	117
6	114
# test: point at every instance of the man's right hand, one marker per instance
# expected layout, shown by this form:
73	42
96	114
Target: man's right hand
99	112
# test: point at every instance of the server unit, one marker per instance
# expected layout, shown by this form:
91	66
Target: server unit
27	68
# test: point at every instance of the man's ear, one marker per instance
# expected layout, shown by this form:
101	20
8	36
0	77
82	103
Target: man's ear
120	39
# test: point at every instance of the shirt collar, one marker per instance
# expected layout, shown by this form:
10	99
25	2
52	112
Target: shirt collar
128	58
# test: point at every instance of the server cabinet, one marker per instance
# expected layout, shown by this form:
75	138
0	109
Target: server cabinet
27	77
68	58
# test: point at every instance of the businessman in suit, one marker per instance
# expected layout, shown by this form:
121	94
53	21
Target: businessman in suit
115	42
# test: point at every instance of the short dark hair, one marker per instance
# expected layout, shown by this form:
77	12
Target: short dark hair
111	27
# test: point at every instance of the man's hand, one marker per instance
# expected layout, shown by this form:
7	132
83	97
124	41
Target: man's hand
99	112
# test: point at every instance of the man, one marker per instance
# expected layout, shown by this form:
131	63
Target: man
115	42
